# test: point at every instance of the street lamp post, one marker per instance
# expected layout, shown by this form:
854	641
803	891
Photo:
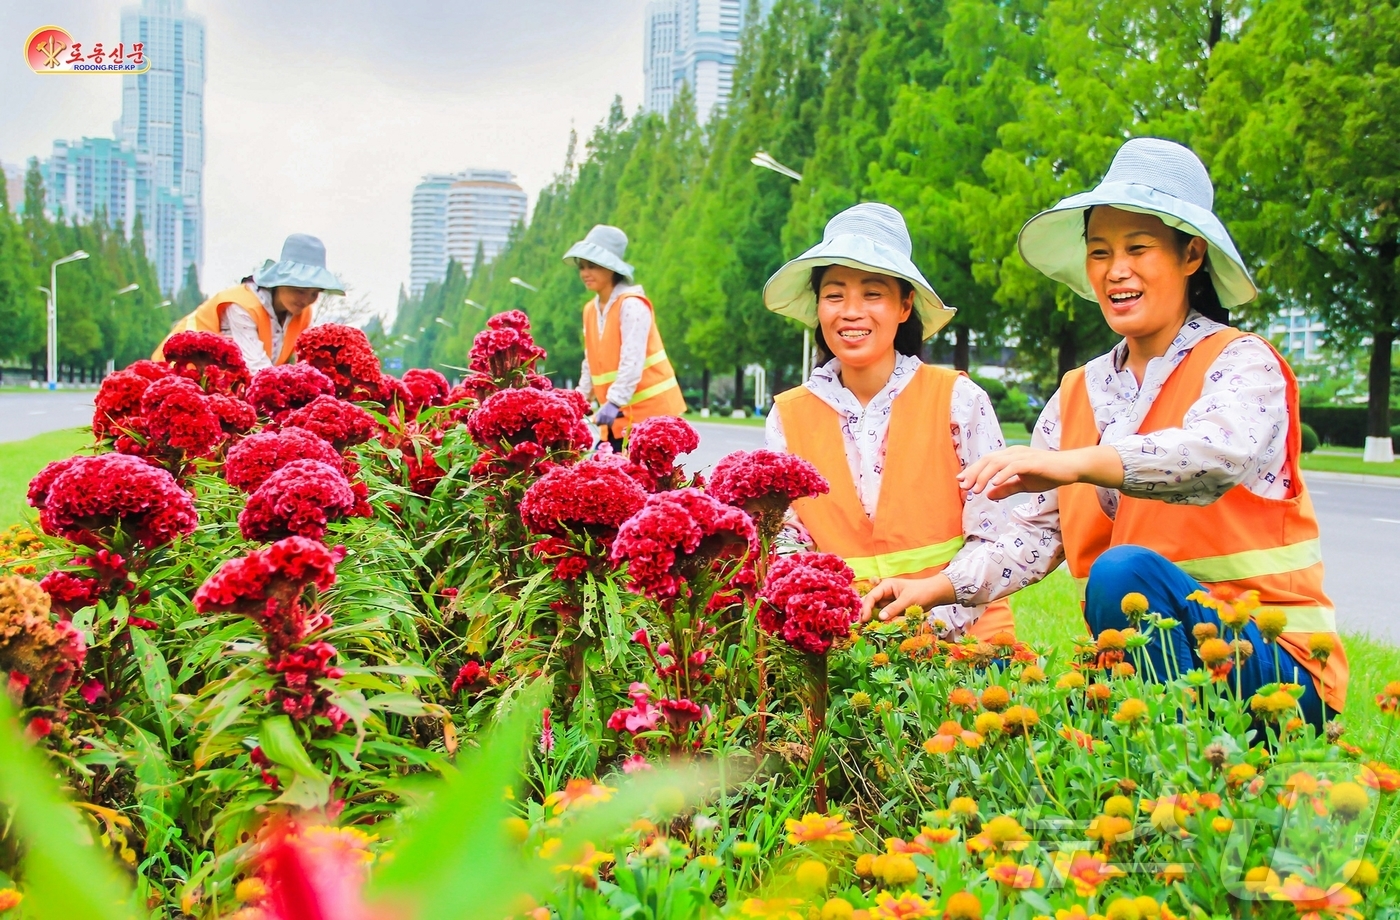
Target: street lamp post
520	282
112	362
763	159
53	314
472	303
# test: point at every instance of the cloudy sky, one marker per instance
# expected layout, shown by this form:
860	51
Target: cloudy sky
321	117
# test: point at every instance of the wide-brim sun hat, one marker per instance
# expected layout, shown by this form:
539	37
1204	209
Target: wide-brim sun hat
1149	176
868	236
605	246
303	265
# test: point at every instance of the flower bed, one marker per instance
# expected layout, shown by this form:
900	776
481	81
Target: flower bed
287	637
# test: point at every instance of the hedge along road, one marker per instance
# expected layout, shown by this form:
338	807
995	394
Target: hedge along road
1360	534
1360	521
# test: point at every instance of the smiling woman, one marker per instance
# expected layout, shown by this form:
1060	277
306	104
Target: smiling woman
889	433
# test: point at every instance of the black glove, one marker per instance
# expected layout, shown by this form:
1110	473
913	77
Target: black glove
607	414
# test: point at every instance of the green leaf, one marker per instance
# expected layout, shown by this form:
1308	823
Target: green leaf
310	787
66	875
155	676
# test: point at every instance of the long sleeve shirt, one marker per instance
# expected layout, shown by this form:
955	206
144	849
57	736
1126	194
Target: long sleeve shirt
1236	433
243	329
865	430
635	324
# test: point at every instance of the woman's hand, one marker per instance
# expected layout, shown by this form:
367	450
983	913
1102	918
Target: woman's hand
902	593
1014	470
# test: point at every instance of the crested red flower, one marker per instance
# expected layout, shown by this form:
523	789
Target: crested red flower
91	500
510	319
679	536
654	444
209	359
520	427
300	498
118	400
593	496
343	354
764	483
641	716
178	416
342	423
253	459
505	349
424	387
236	417
281	388
809	601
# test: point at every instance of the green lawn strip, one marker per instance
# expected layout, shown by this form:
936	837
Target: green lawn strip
1048	616
748	421
20	460
1349	464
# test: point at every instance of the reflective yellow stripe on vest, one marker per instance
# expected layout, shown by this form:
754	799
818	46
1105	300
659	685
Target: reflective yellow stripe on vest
1300	619
1254	563
651	391
888	565
651	361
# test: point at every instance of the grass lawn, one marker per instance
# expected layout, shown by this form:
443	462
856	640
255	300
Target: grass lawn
1349	463
748	421
20	460
1047	615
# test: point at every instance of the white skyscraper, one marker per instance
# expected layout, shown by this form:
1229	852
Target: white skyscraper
163	123
453	213
428	249
704	40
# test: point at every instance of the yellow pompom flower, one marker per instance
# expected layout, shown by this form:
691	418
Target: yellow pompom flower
837	909
1321	646
1019	720
1148	908
995	698
1134	605
865	865
1360	872
1131	711
1272	621
812	875
1071	681
1119	806
895	869
963	807
1122	909
250	889
963	906
988	723
1348	800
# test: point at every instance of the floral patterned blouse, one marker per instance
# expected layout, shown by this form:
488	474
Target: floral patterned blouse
1236	433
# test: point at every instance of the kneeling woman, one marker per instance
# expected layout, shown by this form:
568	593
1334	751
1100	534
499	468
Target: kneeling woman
1170	464
889	433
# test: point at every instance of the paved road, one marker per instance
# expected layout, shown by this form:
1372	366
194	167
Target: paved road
23	415
1360	535
1360	522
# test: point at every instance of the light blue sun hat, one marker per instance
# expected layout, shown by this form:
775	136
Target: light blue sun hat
605	246
1149	176
303	265
871	236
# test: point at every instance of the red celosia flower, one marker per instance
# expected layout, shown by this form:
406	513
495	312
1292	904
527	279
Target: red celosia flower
809	601
341	423
267	585
118	400
90	499
505	348
764	483
641	716
678	536
70	592
594	496
236	417
520	427
177	415
510	319
424	387
209	359
343	354
569	562
680	713
280	389
424	473
470	675
653	445
300	498
300	669
252	460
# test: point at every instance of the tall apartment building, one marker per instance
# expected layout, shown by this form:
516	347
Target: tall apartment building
1298	334
14	186
703	36
163	122
91	177
453	213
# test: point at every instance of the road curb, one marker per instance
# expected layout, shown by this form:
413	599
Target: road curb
1392	482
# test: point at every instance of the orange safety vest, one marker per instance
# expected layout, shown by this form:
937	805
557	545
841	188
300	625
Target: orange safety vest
209	316
1241	540
657	393
917	528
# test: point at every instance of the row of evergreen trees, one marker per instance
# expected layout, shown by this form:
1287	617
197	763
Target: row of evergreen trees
95	324
969	116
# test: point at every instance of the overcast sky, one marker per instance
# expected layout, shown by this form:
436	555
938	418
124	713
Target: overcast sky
321	117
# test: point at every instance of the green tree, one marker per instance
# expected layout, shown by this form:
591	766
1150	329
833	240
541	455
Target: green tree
1304	122
21	305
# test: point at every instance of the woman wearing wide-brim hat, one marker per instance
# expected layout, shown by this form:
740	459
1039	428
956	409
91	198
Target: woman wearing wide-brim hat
625	368
1170	464
889	433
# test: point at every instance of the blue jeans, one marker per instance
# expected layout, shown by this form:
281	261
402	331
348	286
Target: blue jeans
1124	569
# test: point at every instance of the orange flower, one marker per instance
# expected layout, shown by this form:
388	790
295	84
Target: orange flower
933	836
1112	640
1379	776
1071	680
941	744
1313	903
1098	694
963	906
1389	698
962	698
1020	720
1009	875
1080	738
774	908
1002	834
815	828
1131	711
1174	872
995	698
920	646
578	792
909	848
1087	871
587	863
1208	800
905	907
1109	829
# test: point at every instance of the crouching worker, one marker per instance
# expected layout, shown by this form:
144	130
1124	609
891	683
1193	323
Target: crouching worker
1168	467
889	433
267	312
